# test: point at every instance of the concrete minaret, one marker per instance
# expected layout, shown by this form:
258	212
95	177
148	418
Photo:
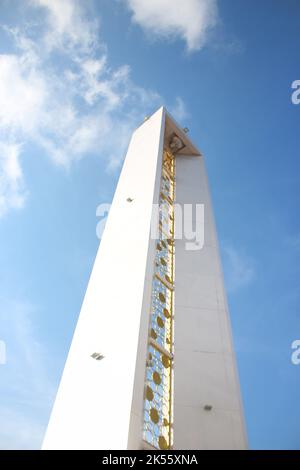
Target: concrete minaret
152	364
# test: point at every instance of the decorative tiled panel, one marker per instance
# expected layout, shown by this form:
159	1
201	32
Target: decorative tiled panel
158	412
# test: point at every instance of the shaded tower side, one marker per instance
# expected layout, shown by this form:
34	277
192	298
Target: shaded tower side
208	411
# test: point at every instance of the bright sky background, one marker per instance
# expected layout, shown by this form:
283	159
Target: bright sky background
76	77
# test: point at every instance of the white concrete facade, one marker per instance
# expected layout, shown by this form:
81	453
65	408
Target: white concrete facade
99	404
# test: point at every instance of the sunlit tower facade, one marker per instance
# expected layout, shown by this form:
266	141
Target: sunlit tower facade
152	363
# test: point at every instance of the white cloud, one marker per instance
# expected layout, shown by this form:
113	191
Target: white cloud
68	117
189	20
239	269
58	91
22	93
71	106
68	26
12	191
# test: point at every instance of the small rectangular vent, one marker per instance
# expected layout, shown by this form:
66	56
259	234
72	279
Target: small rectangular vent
97	356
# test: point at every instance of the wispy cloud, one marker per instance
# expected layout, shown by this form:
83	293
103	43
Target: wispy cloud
239	269
58	91
179	110
26	391
73	108
68	26
12	192
190	20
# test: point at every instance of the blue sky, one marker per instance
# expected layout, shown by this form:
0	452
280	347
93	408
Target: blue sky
75	79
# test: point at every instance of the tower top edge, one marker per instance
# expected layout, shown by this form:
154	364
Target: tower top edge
172	127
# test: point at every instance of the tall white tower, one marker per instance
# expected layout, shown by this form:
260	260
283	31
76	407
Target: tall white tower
152	364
